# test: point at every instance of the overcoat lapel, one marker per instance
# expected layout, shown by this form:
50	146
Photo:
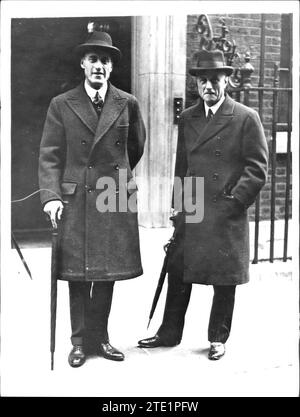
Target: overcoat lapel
113	105
197	118
81	104
208	130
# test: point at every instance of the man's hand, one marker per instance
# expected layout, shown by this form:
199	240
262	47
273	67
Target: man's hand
54	210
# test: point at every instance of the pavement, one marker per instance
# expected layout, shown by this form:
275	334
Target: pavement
262	357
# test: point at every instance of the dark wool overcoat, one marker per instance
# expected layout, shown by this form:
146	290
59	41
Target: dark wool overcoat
230	153
77	152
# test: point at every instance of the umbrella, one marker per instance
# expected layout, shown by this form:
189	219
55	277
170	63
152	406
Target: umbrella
161	279
178	223
53	297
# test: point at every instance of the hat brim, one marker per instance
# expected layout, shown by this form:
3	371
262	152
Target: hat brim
115	53
198	70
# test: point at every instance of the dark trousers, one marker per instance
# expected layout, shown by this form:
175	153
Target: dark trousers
89	311
178	297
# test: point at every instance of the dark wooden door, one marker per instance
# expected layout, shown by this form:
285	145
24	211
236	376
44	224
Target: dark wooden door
42	66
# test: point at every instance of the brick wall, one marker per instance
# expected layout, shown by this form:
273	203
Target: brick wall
245	30
280	190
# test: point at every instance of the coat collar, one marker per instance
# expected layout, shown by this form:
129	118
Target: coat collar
81	104
206	131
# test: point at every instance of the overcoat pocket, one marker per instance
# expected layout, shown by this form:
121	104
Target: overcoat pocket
231	206
68	188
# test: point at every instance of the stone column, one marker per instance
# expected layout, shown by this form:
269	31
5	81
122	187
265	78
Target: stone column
158	76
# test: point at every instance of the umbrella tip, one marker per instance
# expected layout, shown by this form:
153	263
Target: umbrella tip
52	362
148	324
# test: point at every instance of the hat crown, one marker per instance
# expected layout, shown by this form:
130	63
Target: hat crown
99	38
210	59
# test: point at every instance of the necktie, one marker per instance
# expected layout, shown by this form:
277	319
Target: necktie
210	115
98	103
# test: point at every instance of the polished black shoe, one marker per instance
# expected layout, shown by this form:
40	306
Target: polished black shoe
109	352
216	351
76	357
156	341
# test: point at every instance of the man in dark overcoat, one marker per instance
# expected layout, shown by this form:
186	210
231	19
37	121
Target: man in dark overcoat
223	142
93	134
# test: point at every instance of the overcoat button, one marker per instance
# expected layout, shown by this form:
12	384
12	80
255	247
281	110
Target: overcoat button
118	143
218	152
117	167
90	167
215	176
214	199
83	142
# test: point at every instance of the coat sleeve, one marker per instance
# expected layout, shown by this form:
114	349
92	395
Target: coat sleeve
255	158
52	155
136	135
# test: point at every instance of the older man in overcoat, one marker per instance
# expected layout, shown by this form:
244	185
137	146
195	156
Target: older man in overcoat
223	142
93	134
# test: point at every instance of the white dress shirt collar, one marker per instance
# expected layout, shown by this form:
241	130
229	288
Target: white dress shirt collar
213	108
91	92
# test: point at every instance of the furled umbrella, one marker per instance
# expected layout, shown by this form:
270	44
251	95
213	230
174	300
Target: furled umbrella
173	258
53	296
161	280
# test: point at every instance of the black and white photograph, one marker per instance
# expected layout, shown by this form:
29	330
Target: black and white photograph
149	201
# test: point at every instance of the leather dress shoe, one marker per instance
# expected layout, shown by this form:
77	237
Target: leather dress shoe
109	352
77	356
216	351
156	341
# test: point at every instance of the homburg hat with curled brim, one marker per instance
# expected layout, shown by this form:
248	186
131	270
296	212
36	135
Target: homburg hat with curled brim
210	61
101	41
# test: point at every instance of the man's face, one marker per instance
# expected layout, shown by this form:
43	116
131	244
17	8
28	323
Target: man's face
97	67
211	86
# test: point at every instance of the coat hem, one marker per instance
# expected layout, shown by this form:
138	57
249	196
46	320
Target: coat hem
216	282
104	276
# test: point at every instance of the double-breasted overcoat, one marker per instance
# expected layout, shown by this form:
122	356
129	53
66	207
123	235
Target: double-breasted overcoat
77	151
230	153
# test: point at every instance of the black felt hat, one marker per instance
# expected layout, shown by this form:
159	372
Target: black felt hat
102	41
